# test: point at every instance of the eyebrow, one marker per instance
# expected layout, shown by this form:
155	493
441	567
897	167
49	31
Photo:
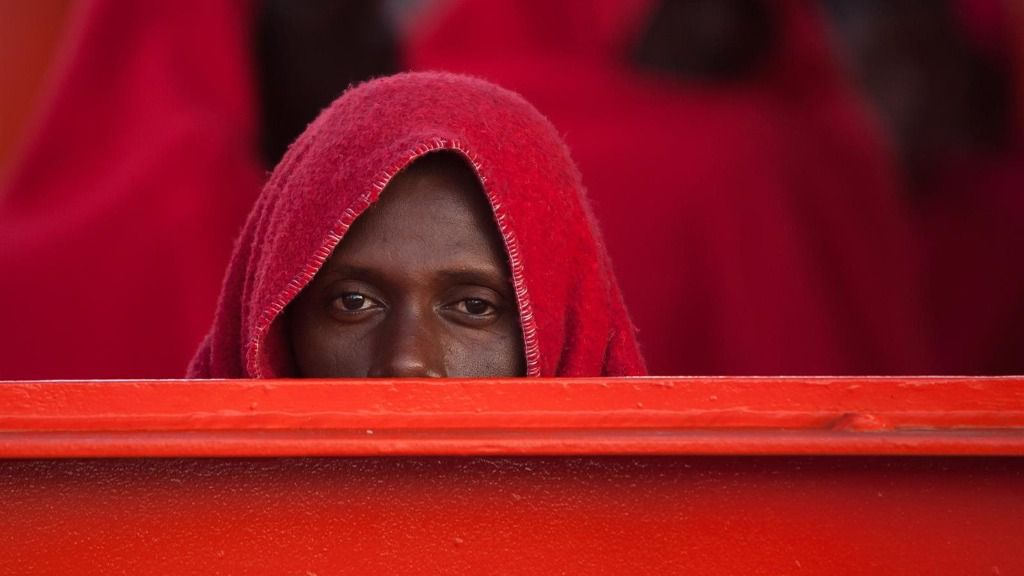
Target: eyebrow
485	276
463	275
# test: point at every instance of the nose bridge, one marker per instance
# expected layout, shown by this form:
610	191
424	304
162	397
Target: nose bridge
410	345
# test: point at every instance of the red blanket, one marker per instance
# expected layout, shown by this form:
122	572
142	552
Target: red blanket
116	223
573	319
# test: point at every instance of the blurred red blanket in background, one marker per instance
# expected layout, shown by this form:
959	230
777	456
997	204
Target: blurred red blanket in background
117	219
970	211
755	226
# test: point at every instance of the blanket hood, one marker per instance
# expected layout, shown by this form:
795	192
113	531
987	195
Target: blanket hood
573	319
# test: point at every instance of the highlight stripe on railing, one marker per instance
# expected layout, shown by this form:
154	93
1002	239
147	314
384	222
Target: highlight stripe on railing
883	416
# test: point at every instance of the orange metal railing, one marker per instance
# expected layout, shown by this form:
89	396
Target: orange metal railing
523	476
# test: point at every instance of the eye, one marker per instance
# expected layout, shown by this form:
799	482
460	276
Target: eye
354	302
475	307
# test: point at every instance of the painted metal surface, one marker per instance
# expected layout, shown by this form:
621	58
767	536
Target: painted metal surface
942	416
626	476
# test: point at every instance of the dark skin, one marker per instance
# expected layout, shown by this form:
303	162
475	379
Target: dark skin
419	287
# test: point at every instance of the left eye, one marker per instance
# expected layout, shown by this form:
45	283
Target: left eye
475	307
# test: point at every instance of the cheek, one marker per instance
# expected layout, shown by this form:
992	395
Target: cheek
343	355
325	349
480	354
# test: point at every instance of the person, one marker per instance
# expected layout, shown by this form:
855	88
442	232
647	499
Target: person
424	225
940	78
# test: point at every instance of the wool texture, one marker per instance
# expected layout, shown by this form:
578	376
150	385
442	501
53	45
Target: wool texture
573	319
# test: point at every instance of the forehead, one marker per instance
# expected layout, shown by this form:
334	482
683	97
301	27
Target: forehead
432	215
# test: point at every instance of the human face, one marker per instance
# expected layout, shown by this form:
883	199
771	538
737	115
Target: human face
418	287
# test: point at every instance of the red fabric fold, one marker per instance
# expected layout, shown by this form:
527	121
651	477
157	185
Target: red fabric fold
573	319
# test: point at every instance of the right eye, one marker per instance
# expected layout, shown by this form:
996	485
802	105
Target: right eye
354	302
